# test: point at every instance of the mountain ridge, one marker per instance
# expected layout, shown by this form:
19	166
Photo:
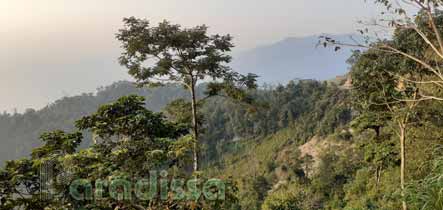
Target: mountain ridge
294	58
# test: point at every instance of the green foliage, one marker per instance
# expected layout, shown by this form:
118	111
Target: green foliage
293	197
321	106
427	194
184	56
20	180
135	141
58	142
21	131
179	52
128	118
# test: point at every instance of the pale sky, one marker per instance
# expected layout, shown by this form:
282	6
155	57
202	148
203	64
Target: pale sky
54	48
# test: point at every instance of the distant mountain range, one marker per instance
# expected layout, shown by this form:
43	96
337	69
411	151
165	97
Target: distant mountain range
294	58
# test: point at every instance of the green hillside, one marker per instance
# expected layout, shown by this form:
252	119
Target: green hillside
19	133
302	146
345	169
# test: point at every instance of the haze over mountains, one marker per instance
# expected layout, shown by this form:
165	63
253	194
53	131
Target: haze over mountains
289	59
277	62
294	58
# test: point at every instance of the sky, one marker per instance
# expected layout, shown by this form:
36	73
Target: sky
55	48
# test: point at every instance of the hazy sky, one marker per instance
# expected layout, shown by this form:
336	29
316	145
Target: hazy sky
54	48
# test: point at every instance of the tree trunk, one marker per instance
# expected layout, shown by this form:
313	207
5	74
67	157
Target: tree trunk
377	175
403	162
195	126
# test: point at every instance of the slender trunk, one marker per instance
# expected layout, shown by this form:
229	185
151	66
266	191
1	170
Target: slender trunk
403	162
195	126
378	175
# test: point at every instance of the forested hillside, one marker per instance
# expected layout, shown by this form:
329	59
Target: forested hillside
297	148
19	133
226	121
320	108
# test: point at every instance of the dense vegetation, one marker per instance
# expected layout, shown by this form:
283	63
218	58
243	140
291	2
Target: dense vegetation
322	109
19	132
131	143
300	146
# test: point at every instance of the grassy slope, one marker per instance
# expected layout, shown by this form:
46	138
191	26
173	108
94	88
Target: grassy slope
251	156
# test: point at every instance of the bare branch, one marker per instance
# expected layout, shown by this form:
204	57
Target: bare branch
423	63
426	39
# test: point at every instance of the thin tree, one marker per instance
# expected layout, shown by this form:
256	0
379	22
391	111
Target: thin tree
380	98
167	53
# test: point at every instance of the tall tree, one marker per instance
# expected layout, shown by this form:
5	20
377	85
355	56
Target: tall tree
165	53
